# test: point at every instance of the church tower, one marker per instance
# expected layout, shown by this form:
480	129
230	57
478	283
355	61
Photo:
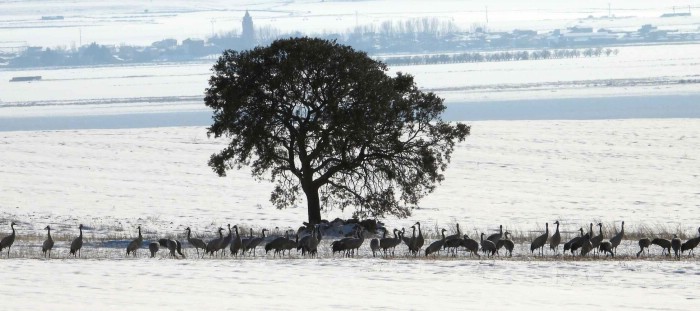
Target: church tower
248	34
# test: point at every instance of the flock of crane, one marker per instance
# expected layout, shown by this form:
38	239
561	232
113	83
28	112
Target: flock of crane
385	246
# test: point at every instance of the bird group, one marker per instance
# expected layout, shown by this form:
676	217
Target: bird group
583	243
596	244
306	240
675	243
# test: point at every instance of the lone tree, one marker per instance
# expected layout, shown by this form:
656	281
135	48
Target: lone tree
316	116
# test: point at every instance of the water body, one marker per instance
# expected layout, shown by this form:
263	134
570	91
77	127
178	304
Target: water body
596	108
112	121
600	108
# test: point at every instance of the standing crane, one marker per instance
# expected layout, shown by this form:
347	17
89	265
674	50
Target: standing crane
555	240
615	241
540	241
77	243
7	241
135	244
196	243
48	243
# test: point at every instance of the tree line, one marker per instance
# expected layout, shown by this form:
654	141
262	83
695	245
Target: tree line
478	57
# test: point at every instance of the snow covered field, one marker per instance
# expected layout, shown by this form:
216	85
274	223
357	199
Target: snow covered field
662	71
516	173
339	284
519	173
641	71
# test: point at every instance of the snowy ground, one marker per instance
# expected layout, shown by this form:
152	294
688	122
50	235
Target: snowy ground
517	173
348	284
637	72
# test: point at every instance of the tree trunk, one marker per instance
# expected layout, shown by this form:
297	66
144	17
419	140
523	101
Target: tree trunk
314	206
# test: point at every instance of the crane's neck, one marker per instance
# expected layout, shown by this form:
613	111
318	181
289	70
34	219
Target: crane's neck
81	231
237	235
189	234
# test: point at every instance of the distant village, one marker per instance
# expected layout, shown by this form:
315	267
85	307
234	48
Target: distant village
412	37
575	37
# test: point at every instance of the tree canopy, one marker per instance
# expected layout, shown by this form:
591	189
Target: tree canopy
317	117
